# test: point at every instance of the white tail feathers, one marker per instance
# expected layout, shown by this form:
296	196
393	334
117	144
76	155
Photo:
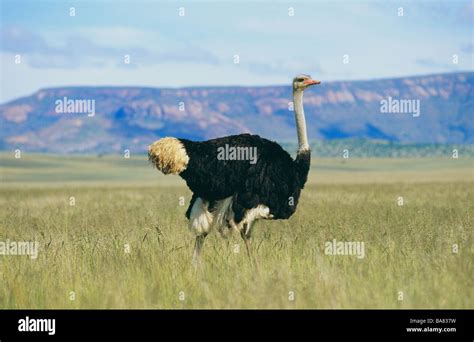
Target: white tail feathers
168	155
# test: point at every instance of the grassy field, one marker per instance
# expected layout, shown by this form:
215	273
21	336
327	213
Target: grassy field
125	243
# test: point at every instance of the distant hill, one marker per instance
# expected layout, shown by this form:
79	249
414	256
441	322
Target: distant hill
133	117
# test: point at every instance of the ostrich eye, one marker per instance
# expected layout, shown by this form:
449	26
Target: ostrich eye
300	79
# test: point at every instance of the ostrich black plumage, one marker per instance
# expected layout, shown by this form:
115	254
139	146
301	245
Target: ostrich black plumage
232	194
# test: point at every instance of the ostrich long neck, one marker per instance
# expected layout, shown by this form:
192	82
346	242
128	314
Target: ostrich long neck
300	121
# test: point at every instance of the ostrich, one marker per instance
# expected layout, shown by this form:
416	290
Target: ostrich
233	194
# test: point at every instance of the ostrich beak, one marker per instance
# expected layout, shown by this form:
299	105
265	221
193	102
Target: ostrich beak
311	82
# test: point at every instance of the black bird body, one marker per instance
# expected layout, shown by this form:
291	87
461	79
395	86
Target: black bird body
274	180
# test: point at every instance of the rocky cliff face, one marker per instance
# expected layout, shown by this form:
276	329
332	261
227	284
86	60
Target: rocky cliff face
131	117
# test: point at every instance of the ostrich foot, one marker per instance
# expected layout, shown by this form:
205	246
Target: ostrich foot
197	250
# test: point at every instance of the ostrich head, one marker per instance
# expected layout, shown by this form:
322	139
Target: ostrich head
301	82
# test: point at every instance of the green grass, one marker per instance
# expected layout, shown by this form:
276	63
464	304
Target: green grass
408	248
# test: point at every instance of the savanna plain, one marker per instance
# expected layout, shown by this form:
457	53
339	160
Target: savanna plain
112	234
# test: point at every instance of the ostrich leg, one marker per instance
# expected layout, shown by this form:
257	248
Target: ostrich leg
197	249
200	221
245	233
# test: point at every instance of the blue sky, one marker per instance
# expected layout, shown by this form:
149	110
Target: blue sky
168	50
